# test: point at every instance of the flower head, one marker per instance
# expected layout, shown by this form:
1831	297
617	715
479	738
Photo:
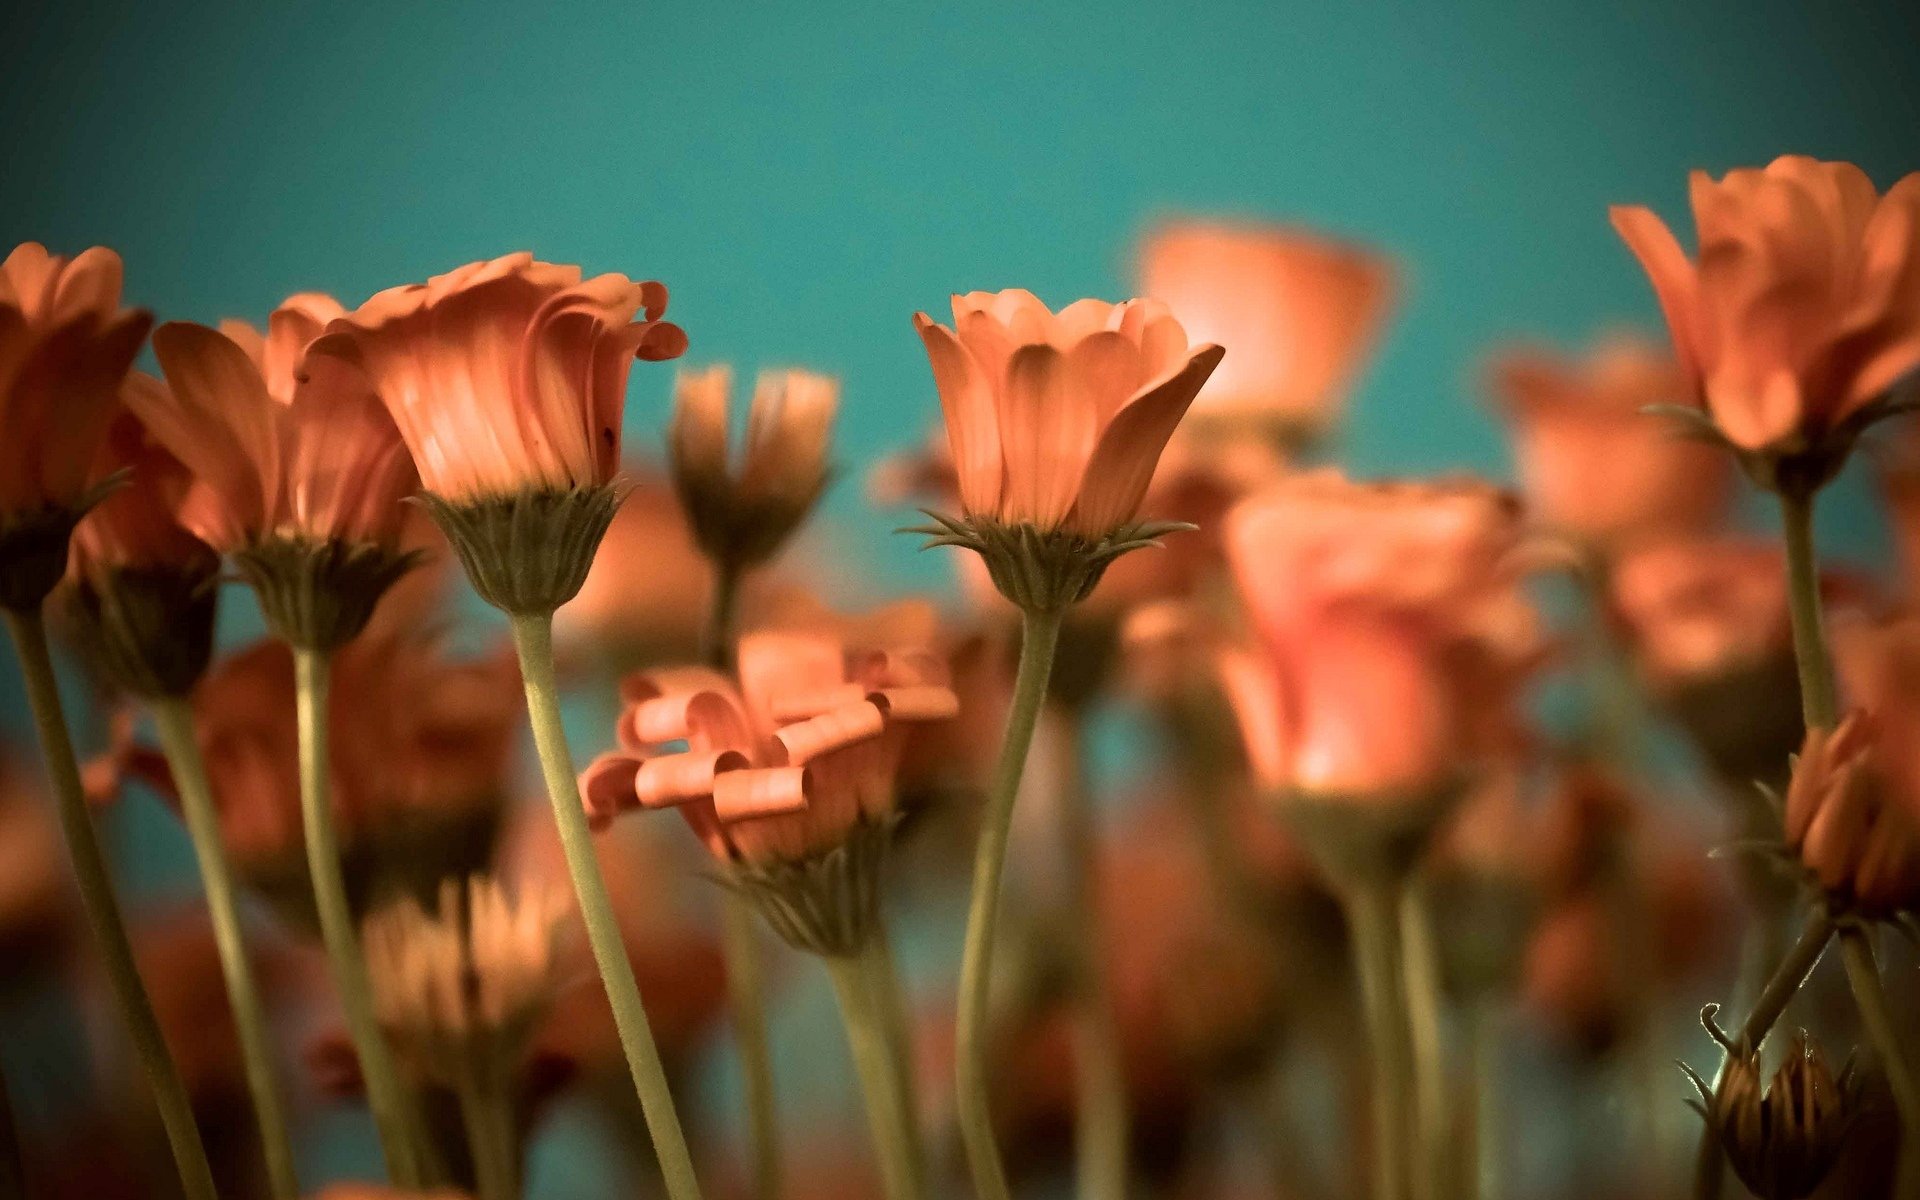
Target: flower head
1784	1138
1591	461
1299	311
1057	420
505	376
1701	608
741	513
1802	306
1853	838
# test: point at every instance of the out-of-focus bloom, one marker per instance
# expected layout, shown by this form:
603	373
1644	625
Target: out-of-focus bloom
1802	307
1878	661
645	600
466	982
1299	311
1057	421
1861	847
1899	479
275	453
65	346
179	962
1486	879
743	511
1783	1139
508	375
1591	462
35	911
1702	608
1393	633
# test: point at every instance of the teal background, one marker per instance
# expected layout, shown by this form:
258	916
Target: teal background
805	176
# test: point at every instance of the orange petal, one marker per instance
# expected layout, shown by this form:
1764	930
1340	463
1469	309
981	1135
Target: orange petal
845	726
1675	282
672	779
741	795
966	400
1123	463
607	787
1048	433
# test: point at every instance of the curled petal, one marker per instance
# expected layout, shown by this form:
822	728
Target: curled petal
673	779
766	792
836	730
607	787
927	702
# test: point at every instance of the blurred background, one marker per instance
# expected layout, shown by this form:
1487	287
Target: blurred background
805	177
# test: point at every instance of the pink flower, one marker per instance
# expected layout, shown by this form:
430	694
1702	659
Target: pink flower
1057	421
507	375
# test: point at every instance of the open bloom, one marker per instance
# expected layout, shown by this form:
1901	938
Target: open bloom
1591	462
1300	312
1861	846
505	376
65	346
1802	305
781	764
1393	635
275	453
1057	421
741	513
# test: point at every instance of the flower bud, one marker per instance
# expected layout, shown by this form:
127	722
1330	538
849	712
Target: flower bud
1783	1139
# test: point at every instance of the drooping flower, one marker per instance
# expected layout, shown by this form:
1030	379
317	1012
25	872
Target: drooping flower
1594	464
1802	306
1057	421
1299	310
743	511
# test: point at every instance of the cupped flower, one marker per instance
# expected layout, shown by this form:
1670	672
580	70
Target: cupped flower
1300	311
1861	846
505	376
1592	462
1057	420
1801	308
744	507
65	347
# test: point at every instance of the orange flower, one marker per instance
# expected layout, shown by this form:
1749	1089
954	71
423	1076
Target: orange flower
275	454
505	376
1591	462
1803	307
1057	421
1878	661
783	764
1703	608
1858	845
1299	311
1393	634
137	526
65	347
742	514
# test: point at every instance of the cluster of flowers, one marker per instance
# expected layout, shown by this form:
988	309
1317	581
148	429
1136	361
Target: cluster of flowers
1345	672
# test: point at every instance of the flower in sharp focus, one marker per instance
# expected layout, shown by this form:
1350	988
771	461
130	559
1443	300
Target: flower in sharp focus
1861	844
1057	420
743	511
1802	306
1591	462
1300	312
1782	1138
508	375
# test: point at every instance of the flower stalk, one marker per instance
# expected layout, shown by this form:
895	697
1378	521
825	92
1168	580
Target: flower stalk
862	1010
1373	910
103	909
1876	1014
1420	976
1817	702
486	1113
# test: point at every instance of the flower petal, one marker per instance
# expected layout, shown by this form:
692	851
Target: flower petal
1122	464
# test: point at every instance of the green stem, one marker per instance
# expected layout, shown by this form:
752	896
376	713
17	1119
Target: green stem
879	1084
1421	978
1773	1001
103	909
174	719
492	1142
1863	973
883	981
1817	703
1482	1176
533	638
1100	1127
1039	636
387	1098
1373	909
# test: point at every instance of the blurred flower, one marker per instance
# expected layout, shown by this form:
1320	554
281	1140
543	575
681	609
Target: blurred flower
35	907
1702	608
1057	421
1298	310
1393	633
644	600
505	376
1803	307
466	983
65	347
1782	1140
1591	462
1862	848
743	512
276	452
1878	662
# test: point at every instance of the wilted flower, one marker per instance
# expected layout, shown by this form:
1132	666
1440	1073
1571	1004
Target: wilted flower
1591	461
1300	312
743	511
1801	309
1783	1139
1861	847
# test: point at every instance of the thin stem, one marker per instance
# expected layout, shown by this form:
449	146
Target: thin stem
716	640
1773	1001
387	1097
873	1061
1817	703
1373	910
883	982
103	909
1863	973
1421	978
1484	1165
533	638
1100	1127
492	1142
174	719
1039	637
